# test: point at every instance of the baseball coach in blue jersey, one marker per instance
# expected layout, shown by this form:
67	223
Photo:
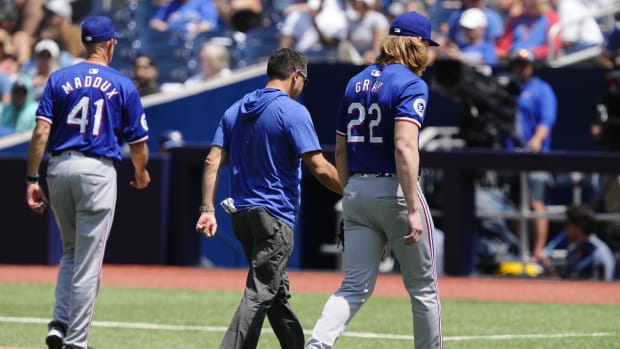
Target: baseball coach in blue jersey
84	114
264	137
377	156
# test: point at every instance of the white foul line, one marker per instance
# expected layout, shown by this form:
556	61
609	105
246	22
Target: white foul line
369	335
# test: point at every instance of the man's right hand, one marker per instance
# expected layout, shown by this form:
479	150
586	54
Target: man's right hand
207	224
415	228
142	179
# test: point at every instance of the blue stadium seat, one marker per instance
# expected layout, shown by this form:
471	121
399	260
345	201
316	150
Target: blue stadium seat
259	44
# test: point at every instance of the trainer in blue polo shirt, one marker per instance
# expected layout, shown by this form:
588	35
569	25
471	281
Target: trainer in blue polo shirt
264	137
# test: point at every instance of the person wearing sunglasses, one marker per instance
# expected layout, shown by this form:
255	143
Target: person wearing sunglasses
264	137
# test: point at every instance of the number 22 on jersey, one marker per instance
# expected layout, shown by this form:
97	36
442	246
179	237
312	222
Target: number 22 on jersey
356	125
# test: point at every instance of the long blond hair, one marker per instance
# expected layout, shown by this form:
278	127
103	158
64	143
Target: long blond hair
411	51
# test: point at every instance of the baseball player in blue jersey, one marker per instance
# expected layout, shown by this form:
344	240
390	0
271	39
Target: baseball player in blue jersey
86	111
377	157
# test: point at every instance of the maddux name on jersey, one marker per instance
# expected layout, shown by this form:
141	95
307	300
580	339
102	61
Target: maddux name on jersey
90	82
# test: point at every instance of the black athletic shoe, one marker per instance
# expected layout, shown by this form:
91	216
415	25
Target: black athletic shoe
55	335
54	339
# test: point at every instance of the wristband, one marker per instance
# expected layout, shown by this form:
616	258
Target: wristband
32	177
205	208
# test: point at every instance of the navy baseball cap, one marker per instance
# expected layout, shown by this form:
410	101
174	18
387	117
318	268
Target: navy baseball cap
98	29
412	24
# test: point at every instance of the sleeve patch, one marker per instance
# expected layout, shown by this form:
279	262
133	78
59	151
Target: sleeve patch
419	105
143	122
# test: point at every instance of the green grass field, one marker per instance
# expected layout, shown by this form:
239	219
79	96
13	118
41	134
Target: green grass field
133	318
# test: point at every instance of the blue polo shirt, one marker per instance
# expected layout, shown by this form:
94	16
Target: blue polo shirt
265	133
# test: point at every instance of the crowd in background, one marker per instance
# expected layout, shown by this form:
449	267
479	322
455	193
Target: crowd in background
176	44
183	42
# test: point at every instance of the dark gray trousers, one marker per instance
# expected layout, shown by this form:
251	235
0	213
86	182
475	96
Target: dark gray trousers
267	244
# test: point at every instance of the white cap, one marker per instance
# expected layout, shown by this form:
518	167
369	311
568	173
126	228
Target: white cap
60	7
47	45
473	18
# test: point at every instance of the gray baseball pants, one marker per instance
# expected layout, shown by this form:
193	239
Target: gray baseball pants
375	212
83	198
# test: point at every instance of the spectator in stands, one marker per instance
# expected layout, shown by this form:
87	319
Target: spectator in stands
8	65
440	11
244	15
145	75
315	30
366	30
508	9
601	7
578	29
45	62
19	115
536	115
214	61
529	30
25	17
58	26
473	48
494	24
610	56
588	257
186	17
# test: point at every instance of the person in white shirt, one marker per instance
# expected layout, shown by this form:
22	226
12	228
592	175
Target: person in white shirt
214	62
578	29
316	30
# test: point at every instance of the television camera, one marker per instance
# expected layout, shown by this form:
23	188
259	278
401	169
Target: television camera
490	100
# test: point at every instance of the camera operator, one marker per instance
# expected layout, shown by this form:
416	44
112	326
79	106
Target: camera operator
488	117
606	130
536	114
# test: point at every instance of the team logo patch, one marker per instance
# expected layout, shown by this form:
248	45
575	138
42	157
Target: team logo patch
419	105
375	73
143	122
93	71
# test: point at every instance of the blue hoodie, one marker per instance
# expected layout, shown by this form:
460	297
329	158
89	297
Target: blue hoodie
265	133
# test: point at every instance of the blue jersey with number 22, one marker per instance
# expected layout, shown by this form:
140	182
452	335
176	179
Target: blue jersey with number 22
373	101
92	108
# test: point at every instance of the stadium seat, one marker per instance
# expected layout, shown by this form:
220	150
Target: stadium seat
259	44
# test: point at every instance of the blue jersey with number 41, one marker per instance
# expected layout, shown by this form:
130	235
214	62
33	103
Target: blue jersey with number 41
373	101
92	108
